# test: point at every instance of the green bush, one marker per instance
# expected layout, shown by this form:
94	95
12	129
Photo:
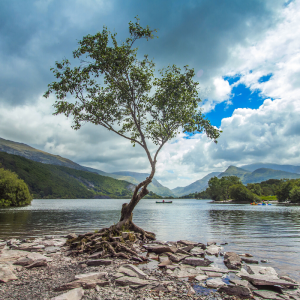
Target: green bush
239	192
295	194
13	191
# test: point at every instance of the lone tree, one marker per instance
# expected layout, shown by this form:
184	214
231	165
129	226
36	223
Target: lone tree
116	90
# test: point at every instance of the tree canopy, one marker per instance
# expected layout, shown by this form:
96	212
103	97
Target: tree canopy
289	190
218	189
113	88
13	191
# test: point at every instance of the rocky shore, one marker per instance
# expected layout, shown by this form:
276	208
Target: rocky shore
45	268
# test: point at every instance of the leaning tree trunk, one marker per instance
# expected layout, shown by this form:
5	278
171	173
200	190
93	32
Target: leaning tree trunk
110	241
127	209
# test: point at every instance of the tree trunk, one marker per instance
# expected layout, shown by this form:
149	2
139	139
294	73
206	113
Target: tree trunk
127	208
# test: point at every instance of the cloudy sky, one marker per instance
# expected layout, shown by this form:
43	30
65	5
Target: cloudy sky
246	55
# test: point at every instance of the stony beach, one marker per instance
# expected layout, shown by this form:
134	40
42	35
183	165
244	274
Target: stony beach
46	268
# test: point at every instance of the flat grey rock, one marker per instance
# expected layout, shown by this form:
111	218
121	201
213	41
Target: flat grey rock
160	248
249	260
232	261
6	274
37	263
23	261
245	283
194	261
139	273
75	294
213	274
187	248
127	272
197	251
213	269
267	295
186	271
177	257
213	250
201	277
215	283
99	262
165	262
126	280
185	242
84	283
258	270
91	276
267	280
240	291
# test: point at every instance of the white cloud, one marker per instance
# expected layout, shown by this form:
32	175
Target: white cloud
270	133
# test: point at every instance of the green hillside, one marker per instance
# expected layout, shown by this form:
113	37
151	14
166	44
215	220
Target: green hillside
234	171
47	158
51	181
31	153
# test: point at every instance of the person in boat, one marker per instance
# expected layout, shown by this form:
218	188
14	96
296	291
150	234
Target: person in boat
164	200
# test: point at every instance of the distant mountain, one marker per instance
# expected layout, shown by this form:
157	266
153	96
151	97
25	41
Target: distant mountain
197	186
47	158
52	181
154	186
258	175
286	168
264	174
234	171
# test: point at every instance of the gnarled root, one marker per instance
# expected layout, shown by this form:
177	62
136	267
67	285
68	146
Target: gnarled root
115	241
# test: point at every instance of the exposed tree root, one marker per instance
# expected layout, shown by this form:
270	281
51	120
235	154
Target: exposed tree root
115	241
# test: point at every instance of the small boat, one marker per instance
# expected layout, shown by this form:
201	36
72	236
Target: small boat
164	201
253	203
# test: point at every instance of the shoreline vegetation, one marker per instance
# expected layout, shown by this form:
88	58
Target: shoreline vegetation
49	268
230	187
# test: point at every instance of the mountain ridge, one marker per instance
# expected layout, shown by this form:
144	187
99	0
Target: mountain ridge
40	156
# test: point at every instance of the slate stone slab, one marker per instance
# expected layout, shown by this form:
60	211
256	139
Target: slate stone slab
99	262
232	261
213	250
126	280
238	290
160	248
215	283
267	295
194	261
6	274
267	280
249	260
91	276
139	273
75	294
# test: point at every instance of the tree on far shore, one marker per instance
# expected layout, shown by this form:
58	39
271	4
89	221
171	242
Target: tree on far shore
114	89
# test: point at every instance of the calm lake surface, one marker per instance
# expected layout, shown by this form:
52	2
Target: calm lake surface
267	232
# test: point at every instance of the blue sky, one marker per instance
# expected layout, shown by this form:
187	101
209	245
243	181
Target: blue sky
246	56
241	97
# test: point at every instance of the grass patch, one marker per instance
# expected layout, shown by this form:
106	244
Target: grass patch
268	198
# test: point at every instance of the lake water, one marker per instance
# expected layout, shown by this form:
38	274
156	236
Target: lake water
267	232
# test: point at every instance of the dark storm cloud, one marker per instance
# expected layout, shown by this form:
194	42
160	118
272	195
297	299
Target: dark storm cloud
34	34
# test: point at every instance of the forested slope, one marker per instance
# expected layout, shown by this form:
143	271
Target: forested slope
52	181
